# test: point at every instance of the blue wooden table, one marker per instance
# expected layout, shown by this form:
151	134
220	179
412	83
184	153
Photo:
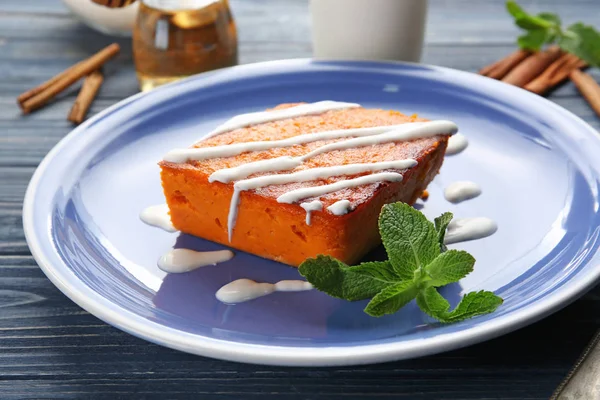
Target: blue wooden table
50	348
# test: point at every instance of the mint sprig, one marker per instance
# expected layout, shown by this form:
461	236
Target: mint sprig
545	28
418	264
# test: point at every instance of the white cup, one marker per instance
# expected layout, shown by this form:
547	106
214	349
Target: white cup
368	29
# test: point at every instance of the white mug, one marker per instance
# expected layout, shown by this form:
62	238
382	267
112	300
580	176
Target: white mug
368	29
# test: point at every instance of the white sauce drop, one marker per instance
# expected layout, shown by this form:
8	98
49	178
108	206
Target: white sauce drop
465	229
245	120
242	290
461	191
314	205
158	216
456	144
184	260
339	207
294	195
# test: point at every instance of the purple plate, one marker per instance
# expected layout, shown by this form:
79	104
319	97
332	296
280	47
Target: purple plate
537	164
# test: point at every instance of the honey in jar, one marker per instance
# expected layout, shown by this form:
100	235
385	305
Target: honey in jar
173	39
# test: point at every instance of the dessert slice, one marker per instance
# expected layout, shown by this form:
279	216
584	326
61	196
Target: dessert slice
302	179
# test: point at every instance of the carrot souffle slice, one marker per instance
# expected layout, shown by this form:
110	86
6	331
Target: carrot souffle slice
302	179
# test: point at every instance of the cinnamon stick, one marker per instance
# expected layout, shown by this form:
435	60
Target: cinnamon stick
588	87
558	71
48	90
499	69
86	95
532	66
32	92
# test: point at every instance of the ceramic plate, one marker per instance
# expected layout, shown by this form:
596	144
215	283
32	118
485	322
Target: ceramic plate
537	164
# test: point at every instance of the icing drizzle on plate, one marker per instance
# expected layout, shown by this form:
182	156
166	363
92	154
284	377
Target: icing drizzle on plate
242	290
158	216
185	260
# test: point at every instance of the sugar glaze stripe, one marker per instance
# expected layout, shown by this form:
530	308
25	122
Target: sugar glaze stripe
234	149
408	131
306	175
312	191
261	117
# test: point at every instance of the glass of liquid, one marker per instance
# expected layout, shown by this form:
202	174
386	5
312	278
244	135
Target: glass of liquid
173	39
368	29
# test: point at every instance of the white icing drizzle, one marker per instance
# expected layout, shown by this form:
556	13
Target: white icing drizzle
314	205
405	132
158	216
184	260
234	149
465	229
227	175
312	174
409	131
245	120
339	207
456	144
461	191
306	175
242	290
233	211
314	191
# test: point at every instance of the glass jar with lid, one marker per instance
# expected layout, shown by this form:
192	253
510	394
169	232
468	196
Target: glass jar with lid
173	39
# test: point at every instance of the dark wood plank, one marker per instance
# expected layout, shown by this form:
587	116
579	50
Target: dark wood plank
13	181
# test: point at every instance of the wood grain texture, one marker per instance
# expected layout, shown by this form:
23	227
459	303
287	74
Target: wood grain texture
52	349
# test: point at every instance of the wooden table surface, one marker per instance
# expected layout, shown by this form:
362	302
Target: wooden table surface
50	348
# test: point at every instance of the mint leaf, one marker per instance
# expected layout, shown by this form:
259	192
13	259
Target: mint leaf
552	18
514	9
410	240
579	39
391	299
450	267
432	303
416	266
583	41
540	29
336	279
528	21
534	23
381	271
533	40
441	224
475	303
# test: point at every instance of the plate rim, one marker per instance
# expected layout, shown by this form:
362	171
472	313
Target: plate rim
62	277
